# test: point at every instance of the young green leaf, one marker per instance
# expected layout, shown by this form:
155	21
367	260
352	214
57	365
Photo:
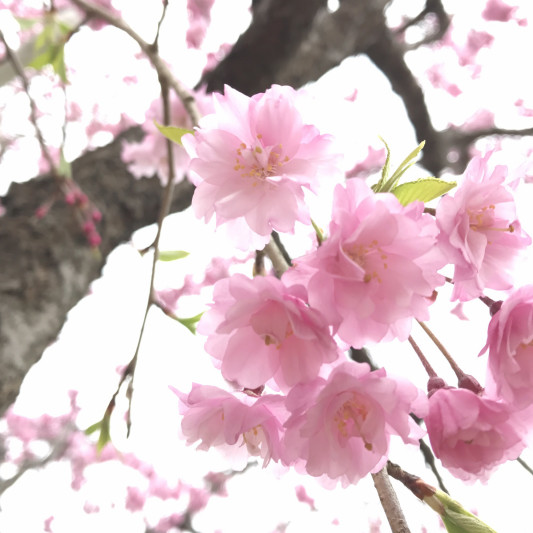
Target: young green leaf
407	163
172	133
189	323
385	171
424	190
172	255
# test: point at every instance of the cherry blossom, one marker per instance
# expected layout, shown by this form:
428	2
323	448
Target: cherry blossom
479	231
341	427
472	434
260	329
253	158
240	423
377	269
510	346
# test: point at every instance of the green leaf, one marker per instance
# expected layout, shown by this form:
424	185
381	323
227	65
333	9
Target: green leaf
189	323
385	171
407	163
172	132
26	23
319	233
94	427
105	434
424	190
172	255
58	63
65	168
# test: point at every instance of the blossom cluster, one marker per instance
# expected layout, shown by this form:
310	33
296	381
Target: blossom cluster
293	397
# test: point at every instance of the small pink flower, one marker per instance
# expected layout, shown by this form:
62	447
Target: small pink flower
376	270
479	232
510	345
253	158
341	427
471	434
259	329
242	424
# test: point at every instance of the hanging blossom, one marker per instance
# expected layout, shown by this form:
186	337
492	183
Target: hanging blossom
242	424
510	345
253	158
259	329
479	231
376	270
341	427
472	434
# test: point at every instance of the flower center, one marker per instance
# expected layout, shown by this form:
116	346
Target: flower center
253	438
259	162
483	219
349	420
368	257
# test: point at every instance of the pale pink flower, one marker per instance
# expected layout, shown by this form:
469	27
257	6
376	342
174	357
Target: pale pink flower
253	158
470	434
242	424
479	232
376	270
341	427
150	156
373	162
259	329
510	345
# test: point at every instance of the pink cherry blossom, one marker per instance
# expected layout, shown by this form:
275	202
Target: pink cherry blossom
376	270
341	427
510	345
479	231
241	423
150	156
253	158
259	329
471	434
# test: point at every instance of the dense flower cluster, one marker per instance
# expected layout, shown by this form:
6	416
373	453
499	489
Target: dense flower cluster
279	343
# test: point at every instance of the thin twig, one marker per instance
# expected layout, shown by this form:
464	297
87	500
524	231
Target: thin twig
157	62
455	367
390	502
425	363
522	463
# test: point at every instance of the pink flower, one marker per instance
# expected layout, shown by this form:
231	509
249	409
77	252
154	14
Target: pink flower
199	18
341	427
510	345
260	329
253	158
150	156
376	270
242	424
479	232
470	434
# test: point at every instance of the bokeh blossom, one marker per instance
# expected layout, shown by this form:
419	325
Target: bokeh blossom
341	427
510	346
259	329
472	434
376	270
254	157
479	231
